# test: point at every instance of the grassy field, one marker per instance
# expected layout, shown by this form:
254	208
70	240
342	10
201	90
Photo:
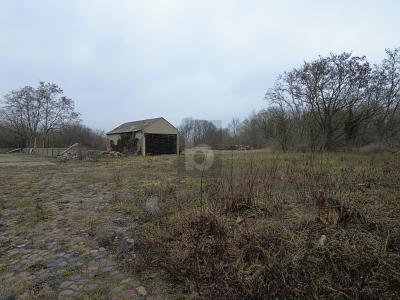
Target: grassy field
256	225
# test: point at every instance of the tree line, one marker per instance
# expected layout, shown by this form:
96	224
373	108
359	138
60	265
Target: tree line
43	117
332	102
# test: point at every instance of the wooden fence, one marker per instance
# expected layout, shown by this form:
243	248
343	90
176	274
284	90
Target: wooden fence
50	152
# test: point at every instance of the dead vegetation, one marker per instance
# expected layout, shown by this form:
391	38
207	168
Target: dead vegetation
281	225
287	227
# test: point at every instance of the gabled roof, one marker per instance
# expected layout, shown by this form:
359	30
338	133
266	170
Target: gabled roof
134	126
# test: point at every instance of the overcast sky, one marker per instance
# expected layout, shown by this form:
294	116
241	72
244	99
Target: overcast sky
124	60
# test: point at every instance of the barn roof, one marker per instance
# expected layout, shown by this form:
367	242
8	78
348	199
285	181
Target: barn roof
134	126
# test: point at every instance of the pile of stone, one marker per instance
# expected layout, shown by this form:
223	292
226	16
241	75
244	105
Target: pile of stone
77	151
67	156
113	154
72	152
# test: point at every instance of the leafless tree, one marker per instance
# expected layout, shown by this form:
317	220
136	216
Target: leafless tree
386	91
31	112
21	113
327	89
196	132
57	110
234	129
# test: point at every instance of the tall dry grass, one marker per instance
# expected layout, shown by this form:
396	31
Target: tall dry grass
281	227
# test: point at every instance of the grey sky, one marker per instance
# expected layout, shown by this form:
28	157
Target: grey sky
124	60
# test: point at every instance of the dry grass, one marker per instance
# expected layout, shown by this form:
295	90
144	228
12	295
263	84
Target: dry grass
264	225
283	226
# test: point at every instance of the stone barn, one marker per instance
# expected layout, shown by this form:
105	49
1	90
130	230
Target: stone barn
150	136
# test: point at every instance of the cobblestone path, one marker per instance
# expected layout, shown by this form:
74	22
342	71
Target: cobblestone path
56	258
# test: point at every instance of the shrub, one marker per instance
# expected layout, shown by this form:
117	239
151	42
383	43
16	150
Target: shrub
323	239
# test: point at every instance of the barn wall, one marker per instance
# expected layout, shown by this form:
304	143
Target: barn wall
161	127
112	137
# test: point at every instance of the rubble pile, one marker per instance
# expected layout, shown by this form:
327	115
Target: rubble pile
77	151
70	153
113	154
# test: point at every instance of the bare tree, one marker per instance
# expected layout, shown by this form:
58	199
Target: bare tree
281	126
197	132
57	110
386	90
31	112
21	113
234	128
253	130
327	89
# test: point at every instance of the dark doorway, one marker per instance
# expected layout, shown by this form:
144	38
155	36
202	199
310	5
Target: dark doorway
160	144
